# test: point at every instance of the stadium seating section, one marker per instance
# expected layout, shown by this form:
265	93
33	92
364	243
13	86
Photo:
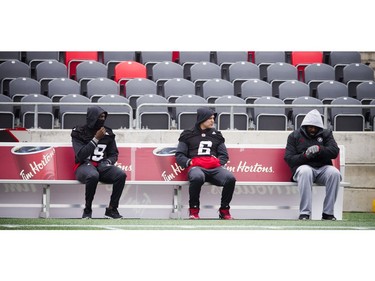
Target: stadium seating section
336	80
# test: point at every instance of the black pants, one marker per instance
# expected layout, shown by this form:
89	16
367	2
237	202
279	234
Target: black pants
218	176
91	175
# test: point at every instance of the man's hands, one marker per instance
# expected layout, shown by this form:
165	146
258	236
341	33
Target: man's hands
312	151
100	133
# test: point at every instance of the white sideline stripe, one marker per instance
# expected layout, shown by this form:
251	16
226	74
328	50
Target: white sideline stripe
238	207
243	227
26	205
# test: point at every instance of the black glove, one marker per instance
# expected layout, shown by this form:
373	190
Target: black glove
106	162
312	151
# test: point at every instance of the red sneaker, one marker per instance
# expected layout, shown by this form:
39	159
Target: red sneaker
194	213
224	214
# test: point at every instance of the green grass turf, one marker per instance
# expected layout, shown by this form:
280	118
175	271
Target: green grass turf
350	221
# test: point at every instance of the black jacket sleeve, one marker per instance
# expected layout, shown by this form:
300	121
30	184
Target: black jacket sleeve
222	154
181	155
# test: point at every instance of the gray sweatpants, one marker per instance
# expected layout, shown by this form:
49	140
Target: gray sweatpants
329	176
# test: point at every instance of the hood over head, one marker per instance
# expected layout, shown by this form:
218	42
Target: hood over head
203	114
93	113
313	118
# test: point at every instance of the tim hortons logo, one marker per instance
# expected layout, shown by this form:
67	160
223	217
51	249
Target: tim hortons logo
126	168
38	167
242	167
176	170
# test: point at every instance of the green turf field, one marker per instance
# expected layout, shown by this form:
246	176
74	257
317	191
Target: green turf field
351	221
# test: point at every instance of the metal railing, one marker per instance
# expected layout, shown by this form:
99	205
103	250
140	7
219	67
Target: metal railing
232	107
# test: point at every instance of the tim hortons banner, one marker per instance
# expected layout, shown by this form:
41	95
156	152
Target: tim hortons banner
31	161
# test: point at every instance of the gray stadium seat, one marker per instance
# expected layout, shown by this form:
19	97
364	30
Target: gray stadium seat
45	117
200	72
347	118
87	70
291	89
355	73
34	58
153	117
265	58
278	73
98	87
73	115
150	58
47	70
255	88
119	116
188	58
205	70
269	118
4	56
9	70
329	90
365	91
226	58
59	87
316	73
176	87
214	88
138	87
372	115
163	71
298	113
7	117
23	86
186	117
340	59
224	114
241	71
166	70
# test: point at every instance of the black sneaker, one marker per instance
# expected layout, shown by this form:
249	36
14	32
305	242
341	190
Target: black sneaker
112	213
86	214
327	217
304	217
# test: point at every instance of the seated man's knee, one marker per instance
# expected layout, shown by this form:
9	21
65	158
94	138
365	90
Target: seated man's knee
122	176
305	170
335	173
92	177
196	176
231	179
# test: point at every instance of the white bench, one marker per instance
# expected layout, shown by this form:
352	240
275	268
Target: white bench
253	199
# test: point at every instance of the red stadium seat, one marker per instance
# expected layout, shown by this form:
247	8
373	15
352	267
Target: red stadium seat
72	59
127	70
302	59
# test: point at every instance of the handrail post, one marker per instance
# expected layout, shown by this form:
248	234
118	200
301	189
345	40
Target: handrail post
326	117
231	117
36	116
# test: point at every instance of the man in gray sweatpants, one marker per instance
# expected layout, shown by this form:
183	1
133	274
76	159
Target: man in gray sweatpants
309	153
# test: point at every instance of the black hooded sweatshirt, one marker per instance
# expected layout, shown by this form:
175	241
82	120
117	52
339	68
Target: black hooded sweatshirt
299	140
85	148
195	142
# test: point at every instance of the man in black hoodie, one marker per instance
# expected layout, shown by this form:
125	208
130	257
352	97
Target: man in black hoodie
95	155
309	153
203	151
